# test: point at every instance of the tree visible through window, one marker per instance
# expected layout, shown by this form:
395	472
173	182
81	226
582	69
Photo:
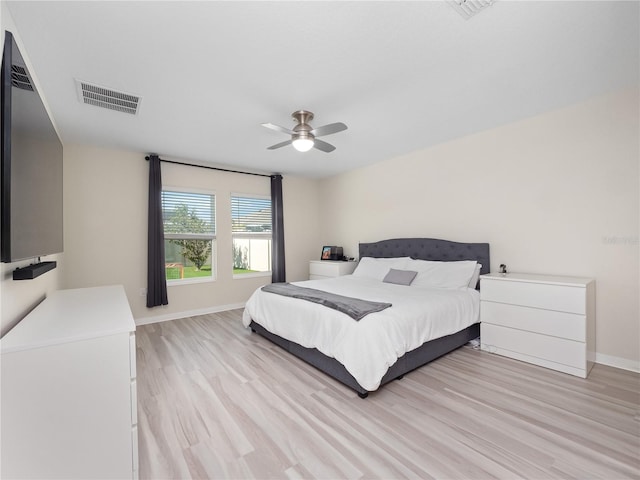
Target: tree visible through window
251	233
190	232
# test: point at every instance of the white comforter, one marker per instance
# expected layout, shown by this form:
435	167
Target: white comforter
367	348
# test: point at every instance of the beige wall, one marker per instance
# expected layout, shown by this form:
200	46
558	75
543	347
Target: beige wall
17	298
106	228
557	193
20	297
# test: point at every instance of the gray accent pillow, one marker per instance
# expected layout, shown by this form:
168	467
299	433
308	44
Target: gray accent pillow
400	277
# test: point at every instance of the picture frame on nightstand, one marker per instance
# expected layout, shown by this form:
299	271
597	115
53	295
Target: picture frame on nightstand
331	252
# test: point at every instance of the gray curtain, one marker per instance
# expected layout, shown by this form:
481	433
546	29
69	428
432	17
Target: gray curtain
277	242
156	279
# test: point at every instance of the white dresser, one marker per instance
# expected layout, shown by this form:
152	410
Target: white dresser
319	269
541	319
69	389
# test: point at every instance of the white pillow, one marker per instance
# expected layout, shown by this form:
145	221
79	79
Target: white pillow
394	262
377	268
473	283
442	274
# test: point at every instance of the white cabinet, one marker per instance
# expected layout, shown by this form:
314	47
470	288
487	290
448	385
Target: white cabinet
319	269
69	389
541	319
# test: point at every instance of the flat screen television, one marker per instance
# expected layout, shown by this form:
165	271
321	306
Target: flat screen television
31	167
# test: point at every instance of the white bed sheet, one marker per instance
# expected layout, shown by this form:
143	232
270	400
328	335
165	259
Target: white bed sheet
367	348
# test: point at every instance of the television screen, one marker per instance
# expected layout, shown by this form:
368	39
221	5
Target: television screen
31	170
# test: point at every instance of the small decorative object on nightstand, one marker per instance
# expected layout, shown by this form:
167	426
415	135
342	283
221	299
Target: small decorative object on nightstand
542	319
326	269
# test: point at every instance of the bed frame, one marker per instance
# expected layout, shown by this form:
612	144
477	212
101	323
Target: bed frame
418	248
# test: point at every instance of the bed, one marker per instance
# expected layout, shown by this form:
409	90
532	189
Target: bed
387	345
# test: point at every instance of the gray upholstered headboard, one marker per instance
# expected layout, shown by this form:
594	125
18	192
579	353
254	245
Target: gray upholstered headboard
428	249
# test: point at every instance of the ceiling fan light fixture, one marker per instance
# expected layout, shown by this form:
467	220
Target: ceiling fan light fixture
303	144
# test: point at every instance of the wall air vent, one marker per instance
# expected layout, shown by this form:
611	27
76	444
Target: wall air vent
469	8
20	78
107	98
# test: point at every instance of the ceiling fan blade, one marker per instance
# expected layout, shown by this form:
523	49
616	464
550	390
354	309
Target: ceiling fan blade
329	129
323	146
280	145
278	128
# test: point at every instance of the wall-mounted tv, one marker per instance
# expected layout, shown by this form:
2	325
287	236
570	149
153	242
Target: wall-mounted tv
31	167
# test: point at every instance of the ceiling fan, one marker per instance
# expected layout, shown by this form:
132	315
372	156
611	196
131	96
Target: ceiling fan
304	136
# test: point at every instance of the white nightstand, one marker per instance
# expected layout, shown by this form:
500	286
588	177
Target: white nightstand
319	269
542	319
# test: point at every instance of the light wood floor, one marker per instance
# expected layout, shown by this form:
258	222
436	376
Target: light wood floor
215	401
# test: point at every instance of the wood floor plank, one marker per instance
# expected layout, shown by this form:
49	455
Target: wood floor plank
216	401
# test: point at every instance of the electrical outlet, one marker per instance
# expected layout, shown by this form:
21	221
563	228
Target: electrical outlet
143	292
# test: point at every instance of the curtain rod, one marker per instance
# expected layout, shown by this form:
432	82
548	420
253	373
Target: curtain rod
211	168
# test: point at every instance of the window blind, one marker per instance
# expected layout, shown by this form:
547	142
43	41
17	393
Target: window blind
188	215
250	214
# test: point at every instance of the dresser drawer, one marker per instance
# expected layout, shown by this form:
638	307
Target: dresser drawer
558	324
330	269
134	402
134	457
323	269
502	340
562	298
132	354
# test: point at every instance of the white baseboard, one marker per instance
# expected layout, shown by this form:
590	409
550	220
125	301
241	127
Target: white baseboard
187	313
618	362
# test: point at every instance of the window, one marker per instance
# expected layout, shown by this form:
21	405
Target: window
251	233
190	233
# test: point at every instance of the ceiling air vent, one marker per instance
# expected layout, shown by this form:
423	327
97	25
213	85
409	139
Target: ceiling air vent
107	98
20	78
469	8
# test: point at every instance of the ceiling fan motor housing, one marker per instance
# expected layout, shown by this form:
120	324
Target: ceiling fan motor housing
302	116
302	129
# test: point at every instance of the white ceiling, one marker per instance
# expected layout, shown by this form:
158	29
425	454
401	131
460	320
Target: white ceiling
402	75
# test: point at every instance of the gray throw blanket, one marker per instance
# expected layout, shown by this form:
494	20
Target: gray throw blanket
356	308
